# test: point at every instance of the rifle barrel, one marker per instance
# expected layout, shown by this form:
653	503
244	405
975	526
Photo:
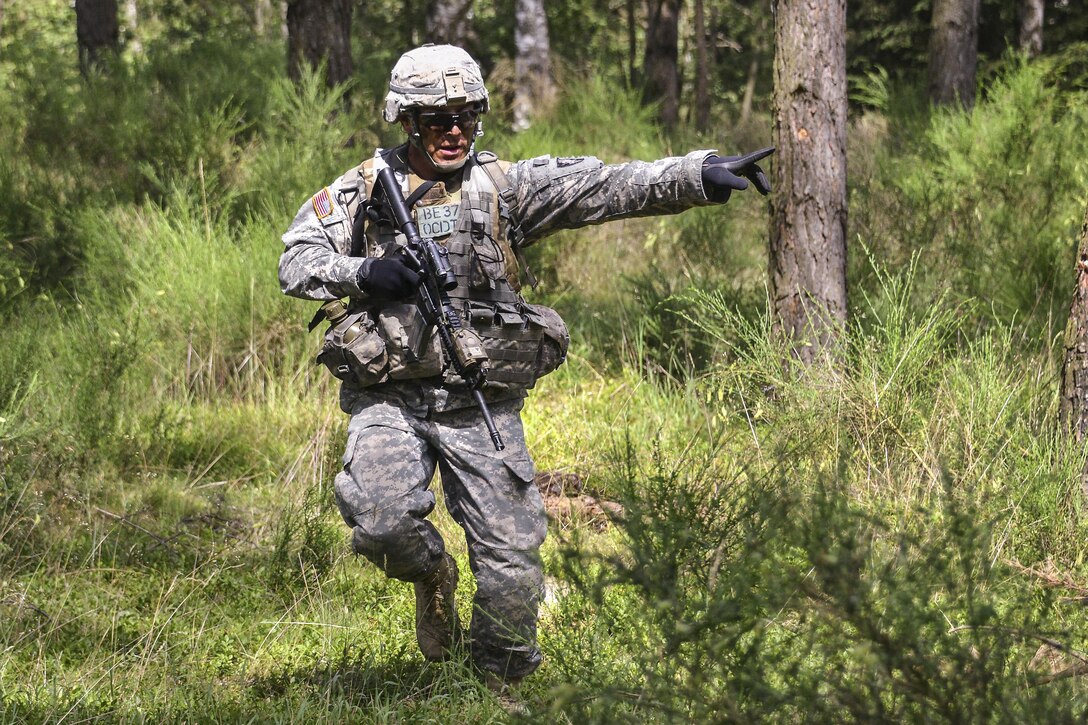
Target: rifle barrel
496	438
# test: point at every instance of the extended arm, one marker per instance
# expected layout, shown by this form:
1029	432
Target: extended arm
567	193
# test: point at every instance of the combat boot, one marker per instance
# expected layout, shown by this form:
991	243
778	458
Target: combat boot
437	629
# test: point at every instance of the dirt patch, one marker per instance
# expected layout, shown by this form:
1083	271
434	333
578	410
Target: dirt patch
566	501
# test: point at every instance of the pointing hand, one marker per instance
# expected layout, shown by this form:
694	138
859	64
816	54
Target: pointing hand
724	174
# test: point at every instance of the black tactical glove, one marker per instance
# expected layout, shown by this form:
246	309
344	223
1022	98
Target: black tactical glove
724	174
387	279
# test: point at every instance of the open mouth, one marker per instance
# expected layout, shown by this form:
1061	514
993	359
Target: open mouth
450	153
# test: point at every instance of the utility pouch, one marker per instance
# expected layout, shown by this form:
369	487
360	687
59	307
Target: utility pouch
413	348
353	350
556	340
486	259
479	260
486	262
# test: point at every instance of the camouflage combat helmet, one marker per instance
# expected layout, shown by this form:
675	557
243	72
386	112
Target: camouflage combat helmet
434	75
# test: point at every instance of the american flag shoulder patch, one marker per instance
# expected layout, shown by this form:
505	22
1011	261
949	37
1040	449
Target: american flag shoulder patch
322	203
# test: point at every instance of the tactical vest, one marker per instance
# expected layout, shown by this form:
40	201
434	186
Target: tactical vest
369	343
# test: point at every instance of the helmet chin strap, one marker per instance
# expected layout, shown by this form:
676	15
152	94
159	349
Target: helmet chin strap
416	139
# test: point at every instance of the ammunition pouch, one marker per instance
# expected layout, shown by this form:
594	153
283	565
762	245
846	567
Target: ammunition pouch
523	342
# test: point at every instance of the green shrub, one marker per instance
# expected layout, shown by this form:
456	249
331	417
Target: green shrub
991	198
738	597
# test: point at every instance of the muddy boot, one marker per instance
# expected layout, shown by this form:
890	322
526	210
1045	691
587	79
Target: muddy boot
436	611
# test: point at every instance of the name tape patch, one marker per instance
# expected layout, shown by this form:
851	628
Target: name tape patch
437	221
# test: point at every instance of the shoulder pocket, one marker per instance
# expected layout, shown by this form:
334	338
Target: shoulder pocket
569	165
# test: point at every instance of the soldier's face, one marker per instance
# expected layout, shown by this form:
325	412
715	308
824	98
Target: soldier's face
446	134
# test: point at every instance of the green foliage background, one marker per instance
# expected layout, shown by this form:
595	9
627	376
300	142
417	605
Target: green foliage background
901	540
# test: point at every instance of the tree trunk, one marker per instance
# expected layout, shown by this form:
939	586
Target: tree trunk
98	31
702	71
661	64
632	45
268	14
534	90
1030	17
319	31
953	52
262	11
1074	400
808	232
749	91
132	22
450	21
758	49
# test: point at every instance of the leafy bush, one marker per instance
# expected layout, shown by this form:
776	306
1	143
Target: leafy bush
780	599
992	199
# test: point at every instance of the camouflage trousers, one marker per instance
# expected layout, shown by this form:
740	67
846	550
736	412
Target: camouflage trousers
383	494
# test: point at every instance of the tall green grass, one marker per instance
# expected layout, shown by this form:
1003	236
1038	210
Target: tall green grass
847	547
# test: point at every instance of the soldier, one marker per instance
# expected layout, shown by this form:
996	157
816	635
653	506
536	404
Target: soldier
410	412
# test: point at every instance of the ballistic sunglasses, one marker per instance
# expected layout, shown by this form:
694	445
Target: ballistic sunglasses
444	121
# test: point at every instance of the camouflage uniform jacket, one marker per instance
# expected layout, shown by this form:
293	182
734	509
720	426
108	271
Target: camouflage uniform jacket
550	194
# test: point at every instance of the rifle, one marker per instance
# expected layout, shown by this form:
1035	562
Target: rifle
463	347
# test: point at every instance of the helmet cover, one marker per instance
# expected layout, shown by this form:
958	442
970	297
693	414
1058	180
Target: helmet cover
434	76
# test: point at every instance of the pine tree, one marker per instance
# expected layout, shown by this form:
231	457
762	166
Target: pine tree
319	31
808	235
